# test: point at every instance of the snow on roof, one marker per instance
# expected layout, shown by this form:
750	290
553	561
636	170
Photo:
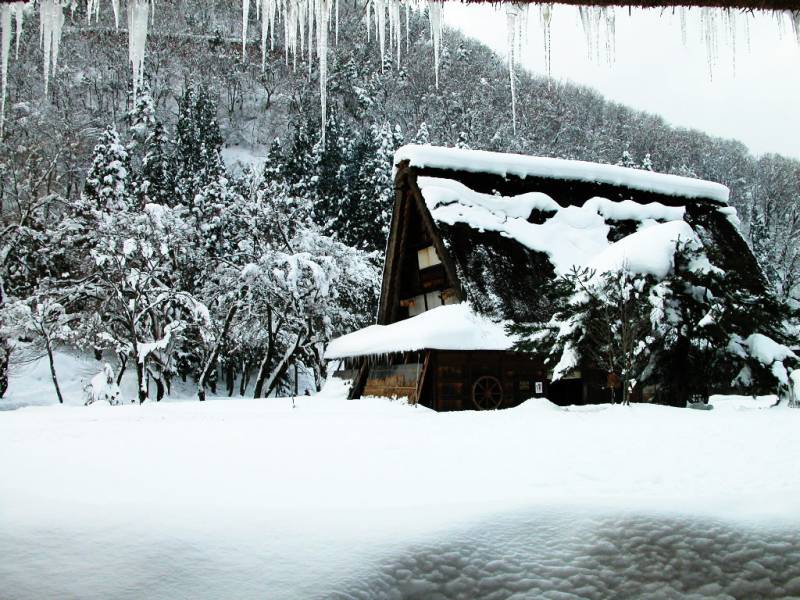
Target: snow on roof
519	165
451	327
573	235
649	251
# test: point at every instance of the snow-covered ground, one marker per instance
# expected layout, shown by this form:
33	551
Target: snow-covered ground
321	497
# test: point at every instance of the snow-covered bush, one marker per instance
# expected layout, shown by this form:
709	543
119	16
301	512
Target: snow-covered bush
103	388
694	331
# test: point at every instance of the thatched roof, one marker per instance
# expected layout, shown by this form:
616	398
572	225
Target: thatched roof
504	277
735	5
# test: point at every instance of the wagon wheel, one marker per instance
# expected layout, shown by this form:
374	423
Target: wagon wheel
487	393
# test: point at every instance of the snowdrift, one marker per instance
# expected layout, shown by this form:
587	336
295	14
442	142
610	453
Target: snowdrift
325	498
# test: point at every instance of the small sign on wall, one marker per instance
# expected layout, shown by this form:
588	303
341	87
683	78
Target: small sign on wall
539	387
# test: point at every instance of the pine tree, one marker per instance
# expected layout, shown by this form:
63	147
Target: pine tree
141	117
760	242
156	184
628	161
275	163
198	144
423	135
107	182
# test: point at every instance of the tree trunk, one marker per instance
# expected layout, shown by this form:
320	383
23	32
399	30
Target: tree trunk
140	380
262	373
283	365
212	358
53	370
123	364
159	389
5	359
262	367
231	379
245	378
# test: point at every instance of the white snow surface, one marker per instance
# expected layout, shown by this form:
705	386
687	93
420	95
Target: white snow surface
481	161
327	498
767	350
450	327
649	251
574	236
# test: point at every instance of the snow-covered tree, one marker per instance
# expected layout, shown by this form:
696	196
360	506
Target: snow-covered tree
695	330
107	182
131	288
604	322
44	324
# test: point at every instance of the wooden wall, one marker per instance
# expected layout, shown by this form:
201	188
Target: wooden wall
453	374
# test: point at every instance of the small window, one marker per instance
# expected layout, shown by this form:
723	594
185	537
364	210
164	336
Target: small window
419	304
427	257
449	296
433	299
416	306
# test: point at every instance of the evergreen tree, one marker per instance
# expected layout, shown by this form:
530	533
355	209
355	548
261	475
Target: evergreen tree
107	182
423	135
628	161
141	117
275	163
760	242
198	160
156	184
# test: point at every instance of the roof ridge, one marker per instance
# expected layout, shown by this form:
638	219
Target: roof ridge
523	166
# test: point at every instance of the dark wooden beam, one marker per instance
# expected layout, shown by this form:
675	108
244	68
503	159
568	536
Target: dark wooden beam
654	4
735	4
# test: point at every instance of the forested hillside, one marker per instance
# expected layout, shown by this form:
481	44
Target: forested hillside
123	231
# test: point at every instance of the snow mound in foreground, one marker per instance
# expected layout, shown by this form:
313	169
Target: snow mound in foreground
538	405
329	498
553	556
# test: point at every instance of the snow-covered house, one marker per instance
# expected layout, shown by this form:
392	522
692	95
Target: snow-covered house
474	237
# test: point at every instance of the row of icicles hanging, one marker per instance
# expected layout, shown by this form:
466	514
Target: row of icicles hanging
307	23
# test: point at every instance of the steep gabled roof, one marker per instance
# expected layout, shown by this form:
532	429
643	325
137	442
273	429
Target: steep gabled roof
508	167
509	223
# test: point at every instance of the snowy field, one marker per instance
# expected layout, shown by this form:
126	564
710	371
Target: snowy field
329	498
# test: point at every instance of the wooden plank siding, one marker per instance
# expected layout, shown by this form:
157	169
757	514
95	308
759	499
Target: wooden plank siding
454	372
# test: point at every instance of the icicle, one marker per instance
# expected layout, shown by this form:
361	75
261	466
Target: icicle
245	21
394	26
265	28
546	18
92	10
311	37
730	19
435	9
682	14
583	13
18	12
50	27
337	23
323	18
610	21
380	27
747	32
708	28
115	7
5	50
795	17
367	19
408	44
516	20
137	39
